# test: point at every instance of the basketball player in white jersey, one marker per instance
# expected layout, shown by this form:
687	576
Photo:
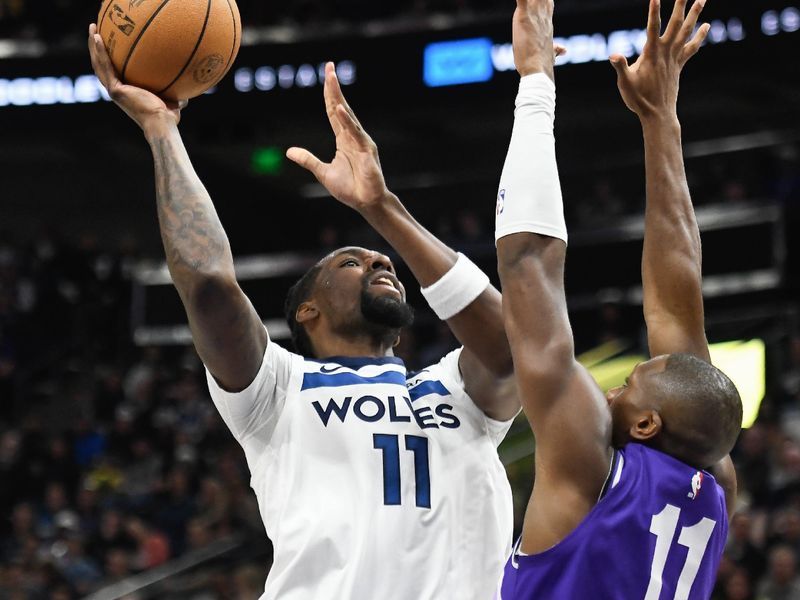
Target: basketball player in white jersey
372	483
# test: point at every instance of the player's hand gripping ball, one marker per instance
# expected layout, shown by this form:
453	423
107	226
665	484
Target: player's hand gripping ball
176	49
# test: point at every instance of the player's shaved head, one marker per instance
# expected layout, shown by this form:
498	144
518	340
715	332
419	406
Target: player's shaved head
700	408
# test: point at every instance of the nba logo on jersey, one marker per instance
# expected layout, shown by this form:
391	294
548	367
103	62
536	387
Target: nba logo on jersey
501	201
697	483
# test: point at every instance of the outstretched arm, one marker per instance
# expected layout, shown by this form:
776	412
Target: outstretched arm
567	411
671	263
354	177
226	330
672	258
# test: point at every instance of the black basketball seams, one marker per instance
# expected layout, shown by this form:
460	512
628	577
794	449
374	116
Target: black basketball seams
191	56
136	41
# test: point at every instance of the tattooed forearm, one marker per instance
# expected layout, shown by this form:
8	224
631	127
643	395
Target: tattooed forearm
193	237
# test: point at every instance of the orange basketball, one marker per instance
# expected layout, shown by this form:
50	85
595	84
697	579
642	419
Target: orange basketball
175	48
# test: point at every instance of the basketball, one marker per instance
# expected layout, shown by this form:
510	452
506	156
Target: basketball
176	49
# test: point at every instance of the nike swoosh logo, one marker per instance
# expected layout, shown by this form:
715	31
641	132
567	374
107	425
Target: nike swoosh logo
326	370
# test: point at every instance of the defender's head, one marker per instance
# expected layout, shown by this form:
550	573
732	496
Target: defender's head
680	405
352	292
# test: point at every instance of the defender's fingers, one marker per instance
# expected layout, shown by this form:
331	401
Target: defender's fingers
336	91
691	21
308	161
353	127
696	42
676	20
654	21
331	100
559	50
620	64
332	83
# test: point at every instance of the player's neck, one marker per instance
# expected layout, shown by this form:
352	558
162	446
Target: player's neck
361	346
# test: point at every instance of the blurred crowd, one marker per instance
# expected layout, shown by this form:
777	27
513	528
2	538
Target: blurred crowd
761	557
113	460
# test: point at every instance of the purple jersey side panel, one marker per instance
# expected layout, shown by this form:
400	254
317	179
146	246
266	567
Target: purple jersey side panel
657	534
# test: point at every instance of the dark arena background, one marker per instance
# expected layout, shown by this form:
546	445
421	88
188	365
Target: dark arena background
117	477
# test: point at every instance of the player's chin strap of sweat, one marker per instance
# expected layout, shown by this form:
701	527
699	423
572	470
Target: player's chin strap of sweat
529	199
456	289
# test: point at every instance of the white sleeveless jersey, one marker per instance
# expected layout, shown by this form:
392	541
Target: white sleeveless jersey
372	484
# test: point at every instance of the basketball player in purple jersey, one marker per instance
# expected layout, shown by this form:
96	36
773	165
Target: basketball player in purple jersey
624	504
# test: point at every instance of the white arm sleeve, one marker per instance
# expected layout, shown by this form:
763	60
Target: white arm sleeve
256	409
529	199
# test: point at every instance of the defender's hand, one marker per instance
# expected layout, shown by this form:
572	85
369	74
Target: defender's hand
534	51
147	109
649	87
354	176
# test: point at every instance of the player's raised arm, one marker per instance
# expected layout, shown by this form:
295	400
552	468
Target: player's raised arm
672	258
572	454
457	290
226	330
671	263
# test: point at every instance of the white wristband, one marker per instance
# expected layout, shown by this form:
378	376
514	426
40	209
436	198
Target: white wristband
529	197
456	289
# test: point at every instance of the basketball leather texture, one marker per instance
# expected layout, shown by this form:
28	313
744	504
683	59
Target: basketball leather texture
177	49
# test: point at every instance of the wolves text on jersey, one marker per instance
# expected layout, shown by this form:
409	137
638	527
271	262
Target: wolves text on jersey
372	409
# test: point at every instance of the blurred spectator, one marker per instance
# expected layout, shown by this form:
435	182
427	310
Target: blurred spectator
55	501
790	381
740	547
175	508
111	536
142	476
753	464
79	570
248	582
737	587
22	529
785	473
198	534
152	545
602	206
782	582
117	566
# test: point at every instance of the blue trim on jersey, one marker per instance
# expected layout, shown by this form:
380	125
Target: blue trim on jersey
356	362
318	380
426	388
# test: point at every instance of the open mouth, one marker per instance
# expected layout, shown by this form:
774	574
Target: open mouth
386	282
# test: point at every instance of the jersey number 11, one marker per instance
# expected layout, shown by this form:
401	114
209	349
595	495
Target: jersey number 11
390	447
695	538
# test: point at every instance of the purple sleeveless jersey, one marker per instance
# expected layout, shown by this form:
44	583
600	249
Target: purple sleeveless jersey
657	534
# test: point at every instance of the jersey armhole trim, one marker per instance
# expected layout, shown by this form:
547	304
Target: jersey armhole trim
615	471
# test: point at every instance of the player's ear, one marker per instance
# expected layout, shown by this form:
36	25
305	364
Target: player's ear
646	426
306	312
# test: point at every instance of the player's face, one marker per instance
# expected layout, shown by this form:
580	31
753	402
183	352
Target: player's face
354	280
631	402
